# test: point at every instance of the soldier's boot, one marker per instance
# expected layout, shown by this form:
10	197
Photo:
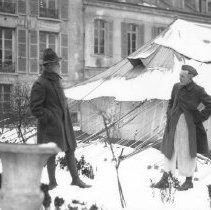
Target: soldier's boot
51	168
71	164
163	183
188	184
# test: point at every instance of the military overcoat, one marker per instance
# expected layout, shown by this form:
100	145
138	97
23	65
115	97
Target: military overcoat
186	99
49	106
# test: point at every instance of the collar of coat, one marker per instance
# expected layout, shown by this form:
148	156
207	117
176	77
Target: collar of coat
189	86
51	75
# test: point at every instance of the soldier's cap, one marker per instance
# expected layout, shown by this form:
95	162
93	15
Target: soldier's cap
190	69
49	56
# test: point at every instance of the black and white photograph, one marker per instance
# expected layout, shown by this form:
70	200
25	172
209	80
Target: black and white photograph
105	104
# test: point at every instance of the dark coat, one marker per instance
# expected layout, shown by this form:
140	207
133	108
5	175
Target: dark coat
49	106
185	99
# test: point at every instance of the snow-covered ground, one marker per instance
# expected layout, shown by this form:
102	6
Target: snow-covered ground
135	178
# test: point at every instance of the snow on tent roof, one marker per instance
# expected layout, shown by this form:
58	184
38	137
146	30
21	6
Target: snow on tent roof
151	71
189	39
183	38
149	84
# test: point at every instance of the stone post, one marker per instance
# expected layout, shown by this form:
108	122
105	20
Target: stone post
22	167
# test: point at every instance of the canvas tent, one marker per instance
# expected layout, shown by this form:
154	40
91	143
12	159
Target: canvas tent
147	74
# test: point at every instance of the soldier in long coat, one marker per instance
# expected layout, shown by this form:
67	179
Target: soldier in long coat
184	135
49	106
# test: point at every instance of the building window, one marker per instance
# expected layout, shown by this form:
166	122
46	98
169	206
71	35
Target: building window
103	37
209	6
7	50
49	8
179	4
99	37
132	35
48	40
156	30
5	93
64	53
7	6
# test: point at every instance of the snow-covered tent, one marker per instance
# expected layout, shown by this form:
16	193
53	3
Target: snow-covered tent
147	74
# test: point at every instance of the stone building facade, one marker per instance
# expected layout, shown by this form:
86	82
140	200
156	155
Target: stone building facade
90	35
116	28
26	28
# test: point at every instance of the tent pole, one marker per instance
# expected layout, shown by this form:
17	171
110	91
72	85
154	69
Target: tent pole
122	199
108	135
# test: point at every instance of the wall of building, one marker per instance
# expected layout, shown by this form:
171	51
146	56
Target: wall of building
117	12
30	21
79	27
27	23
76	37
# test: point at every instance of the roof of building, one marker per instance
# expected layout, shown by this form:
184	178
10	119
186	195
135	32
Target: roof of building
161	8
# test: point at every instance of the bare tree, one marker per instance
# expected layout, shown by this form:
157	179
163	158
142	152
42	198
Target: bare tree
18	116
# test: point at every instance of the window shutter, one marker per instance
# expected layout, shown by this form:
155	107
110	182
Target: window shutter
64	53
34	7
109	39
21	50
33	52
140	41
179	4
64	9
154	33
22	6
124	27
59	8
203	6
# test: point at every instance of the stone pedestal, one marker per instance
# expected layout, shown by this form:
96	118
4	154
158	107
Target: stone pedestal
22	167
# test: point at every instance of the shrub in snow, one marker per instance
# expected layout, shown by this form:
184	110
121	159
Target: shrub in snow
62	162
167	195
84	168
80	206
149	167
47	198
58	202
78	202
93	207
72	208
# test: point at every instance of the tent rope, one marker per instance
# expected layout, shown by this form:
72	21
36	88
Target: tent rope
111	124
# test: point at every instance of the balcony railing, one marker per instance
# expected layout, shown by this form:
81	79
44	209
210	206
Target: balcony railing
6	67
7	7
50	13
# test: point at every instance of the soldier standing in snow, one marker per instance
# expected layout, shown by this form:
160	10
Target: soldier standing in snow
184	134
49	106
